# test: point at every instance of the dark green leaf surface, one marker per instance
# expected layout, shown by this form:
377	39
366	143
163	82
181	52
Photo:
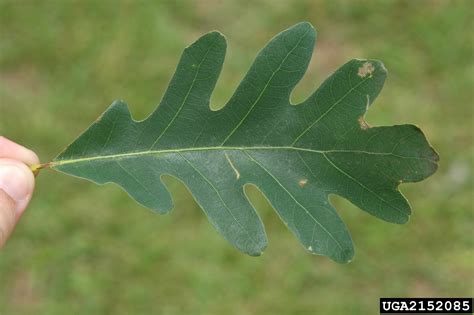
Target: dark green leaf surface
296	155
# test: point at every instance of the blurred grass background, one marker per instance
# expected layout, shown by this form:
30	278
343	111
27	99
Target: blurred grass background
83	249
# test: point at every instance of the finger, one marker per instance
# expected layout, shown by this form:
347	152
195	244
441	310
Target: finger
7	216
12	150
17	180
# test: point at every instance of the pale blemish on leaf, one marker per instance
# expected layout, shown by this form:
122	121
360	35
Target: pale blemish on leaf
366	69
362	123
303	182
310	248
99	118
237	174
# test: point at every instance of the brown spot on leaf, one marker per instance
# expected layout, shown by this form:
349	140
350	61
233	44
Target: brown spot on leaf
362	123
303	182
366	69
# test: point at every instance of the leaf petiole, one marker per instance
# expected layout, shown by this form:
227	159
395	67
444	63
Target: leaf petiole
37	167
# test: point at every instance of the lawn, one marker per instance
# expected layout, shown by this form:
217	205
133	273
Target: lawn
85	249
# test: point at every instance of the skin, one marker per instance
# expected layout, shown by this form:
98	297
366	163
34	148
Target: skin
17	184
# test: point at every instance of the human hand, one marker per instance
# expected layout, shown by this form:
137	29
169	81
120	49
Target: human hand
16	184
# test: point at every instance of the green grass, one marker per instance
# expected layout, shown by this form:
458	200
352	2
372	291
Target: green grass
83	249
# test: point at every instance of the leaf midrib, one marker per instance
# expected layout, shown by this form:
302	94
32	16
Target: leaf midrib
219	148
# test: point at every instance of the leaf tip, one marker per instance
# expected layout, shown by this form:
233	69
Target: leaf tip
216	37
256	252
402	219
213	39
305	24
346	256
305	27
433	155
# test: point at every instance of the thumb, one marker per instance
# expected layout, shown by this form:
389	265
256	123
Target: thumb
16	188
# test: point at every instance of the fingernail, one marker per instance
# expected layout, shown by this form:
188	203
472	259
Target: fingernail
14	181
